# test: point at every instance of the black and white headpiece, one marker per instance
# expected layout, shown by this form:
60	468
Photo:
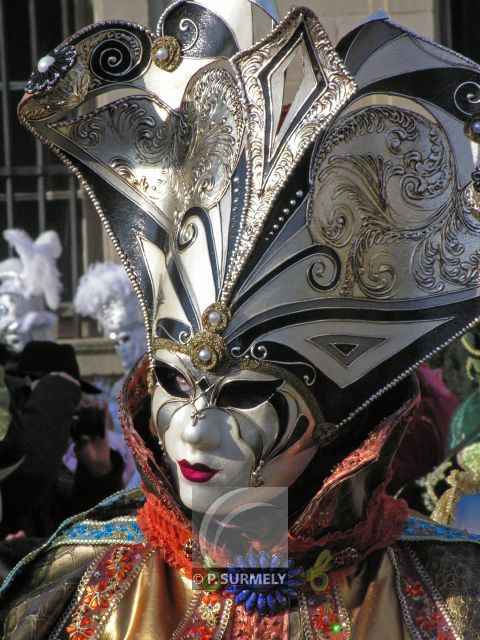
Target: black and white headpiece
271	205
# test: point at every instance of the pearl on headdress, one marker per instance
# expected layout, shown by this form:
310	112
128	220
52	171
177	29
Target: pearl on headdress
162	54
205	355
214	317
45	63
475	126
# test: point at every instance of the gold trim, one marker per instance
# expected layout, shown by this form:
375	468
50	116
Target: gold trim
225	317
173	48
207	350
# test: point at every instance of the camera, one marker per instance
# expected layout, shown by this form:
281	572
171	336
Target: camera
88	421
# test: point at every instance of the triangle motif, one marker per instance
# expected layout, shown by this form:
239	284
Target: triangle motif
346	349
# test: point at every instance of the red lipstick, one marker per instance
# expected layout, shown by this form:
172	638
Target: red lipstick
196	472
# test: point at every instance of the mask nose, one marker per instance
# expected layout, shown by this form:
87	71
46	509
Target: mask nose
202	426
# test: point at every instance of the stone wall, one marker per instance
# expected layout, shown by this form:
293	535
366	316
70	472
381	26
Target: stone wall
340	16
337	16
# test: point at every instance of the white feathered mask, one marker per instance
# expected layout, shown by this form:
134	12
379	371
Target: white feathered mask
106	294
34	273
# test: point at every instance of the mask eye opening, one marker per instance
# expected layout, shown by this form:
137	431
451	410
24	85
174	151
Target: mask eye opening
172	381
247	394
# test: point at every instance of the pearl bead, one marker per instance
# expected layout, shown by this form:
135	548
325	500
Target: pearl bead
205	355
475	126
45	63
286	211
299	194
162	54
293	202
214	317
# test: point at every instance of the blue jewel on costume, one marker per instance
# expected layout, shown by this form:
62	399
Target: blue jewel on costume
51	68
259	582
104	532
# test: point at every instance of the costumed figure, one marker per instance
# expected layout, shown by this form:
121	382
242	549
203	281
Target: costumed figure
302	230
105	293
451	492
30	289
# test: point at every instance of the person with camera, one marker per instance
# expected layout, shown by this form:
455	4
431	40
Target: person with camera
47	391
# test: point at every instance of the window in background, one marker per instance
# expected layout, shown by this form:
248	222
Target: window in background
36	191
457	26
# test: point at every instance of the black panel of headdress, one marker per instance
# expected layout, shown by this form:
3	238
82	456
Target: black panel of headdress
201	33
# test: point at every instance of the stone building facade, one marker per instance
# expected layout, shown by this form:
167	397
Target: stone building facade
337	16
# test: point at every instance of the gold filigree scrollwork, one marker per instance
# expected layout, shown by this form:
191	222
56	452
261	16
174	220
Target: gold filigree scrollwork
386	177
166	53
207	350
193	152
333	91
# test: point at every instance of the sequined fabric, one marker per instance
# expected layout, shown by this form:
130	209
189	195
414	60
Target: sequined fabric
454	570
42	591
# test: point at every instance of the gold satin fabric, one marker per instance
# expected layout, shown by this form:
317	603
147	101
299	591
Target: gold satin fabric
153	605
371	599
156	602
43	591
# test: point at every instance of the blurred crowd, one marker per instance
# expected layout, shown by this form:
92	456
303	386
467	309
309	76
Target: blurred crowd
61	446
59	454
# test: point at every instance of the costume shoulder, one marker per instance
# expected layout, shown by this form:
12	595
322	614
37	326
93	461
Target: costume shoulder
451	559
37	591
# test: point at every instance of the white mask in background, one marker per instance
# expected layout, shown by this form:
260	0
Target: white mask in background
30	289
106	294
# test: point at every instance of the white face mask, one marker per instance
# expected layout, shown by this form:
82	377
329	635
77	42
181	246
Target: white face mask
241	429
13	308
129	344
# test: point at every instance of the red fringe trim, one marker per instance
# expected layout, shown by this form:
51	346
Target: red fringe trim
385	521
164	531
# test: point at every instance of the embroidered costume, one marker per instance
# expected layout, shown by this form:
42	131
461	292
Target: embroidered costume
301	227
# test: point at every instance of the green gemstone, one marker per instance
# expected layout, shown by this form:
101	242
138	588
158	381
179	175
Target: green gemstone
336	627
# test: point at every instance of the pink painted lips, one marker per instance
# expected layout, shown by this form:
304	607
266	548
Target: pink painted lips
196	472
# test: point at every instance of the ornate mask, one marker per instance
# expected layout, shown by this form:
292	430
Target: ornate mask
233	428
105	293
271	211
29	284
13	307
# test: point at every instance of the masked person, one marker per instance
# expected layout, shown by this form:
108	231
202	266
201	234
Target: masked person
30	288
105	293
302	232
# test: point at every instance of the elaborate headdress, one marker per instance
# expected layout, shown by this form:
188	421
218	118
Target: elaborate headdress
266	205
105	293
28	284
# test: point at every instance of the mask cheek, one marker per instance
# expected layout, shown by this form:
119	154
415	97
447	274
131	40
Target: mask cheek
287	468
258	428
164	407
